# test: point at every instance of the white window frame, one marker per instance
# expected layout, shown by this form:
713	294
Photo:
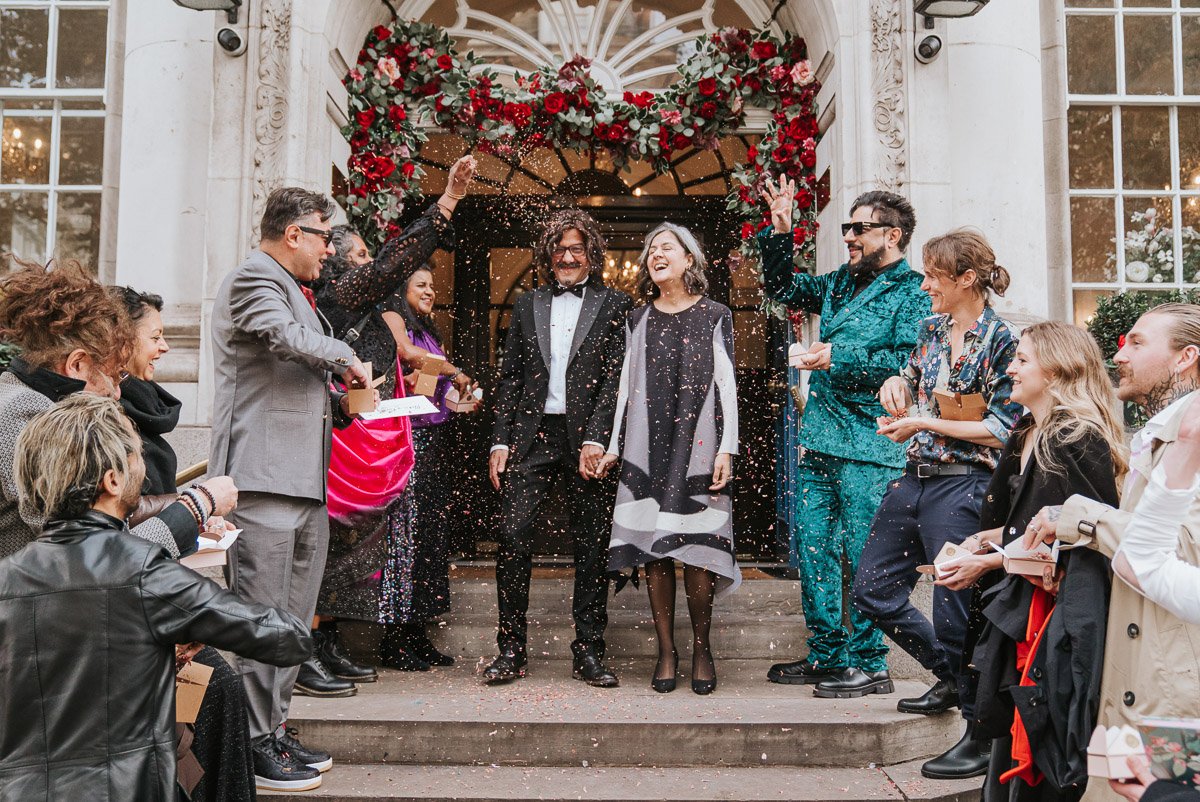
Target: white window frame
56	112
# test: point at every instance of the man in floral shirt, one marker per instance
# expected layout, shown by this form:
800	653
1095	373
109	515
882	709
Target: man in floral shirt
869	312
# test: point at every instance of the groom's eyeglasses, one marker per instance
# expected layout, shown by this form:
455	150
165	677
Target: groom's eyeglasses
859	228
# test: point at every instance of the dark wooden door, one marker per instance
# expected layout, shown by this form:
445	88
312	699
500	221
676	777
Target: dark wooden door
491	266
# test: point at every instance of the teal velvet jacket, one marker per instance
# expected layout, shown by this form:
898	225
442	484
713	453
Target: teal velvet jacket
872	337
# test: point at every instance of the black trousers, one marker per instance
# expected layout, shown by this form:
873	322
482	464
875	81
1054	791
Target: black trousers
590	501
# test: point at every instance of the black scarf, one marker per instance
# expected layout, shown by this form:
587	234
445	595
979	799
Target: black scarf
54	386
154	412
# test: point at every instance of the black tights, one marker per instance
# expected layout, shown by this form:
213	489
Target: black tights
700	587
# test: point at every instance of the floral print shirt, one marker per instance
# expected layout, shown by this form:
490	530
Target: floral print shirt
988	348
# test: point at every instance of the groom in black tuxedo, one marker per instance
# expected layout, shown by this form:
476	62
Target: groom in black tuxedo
554	415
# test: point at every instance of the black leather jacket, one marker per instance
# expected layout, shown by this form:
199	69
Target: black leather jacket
89	616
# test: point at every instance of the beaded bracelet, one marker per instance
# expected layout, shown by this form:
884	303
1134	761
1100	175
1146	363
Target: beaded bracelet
195	499
212	501
190	506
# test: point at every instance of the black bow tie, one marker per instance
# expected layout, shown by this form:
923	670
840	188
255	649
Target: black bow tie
558	289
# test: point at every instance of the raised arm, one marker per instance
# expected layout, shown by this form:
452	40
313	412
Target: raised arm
724	377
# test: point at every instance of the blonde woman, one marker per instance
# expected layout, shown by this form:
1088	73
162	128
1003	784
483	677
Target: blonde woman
1040	649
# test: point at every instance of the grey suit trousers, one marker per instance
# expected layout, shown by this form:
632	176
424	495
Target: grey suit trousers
277	561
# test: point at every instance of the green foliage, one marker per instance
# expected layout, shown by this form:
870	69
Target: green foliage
1116	314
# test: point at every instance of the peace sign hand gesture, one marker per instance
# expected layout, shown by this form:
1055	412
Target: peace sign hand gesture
780	200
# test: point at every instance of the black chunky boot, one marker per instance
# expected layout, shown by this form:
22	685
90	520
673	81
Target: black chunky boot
967	758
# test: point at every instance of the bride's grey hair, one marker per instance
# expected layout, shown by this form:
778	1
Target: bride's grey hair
694	279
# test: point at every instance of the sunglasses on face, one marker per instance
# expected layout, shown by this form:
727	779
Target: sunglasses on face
324	233
859	228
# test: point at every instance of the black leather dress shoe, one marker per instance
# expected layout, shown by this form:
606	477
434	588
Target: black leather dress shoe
587	667
506	667
315	680
967	758
327	648
941	697
801	672
851	683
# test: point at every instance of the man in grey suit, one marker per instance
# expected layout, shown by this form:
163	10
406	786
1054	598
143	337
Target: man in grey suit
272	420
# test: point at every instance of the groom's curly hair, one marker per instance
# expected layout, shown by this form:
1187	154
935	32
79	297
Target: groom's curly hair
558	224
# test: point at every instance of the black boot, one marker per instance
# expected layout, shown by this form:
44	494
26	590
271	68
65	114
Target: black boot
941	697
396	650
315	680
424	649
327	649
852	683
967	758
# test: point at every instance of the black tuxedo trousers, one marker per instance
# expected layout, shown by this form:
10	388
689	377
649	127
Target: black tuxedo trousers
527	484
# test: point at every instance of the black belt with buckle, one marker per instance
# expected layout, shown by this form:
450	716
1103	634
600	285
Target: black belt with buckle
928	470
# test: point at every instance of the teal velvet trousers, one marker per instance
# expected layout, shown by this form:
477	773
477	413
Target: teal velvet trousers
838	499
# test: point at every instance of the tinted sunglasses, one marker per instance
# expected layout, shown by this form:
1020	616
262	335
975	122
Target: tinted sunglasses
859	228
324	233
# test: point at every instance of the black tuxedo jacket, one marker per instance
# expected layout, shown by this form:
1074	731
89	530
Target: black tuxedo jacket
593	372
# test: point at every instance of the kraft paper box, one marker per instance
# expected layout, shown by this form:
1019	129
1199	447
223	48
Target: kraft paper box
795	351
190	684
427	379
1108	750
456	403
951	553
1027	562
210	552
956	406
363	400
1173	748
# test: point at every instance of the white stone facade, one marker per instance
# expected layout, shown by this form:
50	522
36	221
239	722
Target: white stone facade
974	138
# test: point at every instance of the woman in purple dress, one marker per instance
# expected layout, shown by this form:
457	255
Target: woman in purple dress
409	315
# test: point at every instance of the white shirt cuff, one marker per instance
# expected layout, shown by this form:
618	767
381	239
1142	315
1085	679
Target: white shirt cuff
593	443
499	448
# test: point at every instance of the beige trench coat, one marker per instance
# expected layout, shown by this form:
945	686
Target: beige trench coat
1152	658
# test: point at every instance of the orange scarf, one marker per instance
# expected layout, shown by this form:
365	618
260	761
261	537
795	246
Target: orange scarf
1041	607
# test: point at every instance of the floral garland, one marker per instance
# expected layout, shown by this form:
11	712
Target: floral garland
409	76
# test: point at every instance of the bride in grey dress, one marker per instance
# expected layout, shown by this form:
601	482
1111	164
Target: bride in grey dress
676	431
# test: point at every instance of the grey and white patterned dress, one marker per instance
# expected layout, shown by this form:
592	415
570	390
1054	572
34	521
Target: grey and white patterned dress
676	410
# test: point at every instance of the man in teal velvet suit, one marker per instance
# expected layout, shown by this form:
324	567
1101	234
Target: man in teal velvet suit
869	309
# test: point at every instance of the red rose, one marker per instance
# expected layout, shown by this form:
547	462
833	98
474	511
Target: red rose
804	199
366	118
555	102
708	110
764	50
397	114
444	62
518	113
616	132
381	32
376	168
707	86
600	130
747	230
751	153
407	169
642	100
359	139
681	142
800	235
782	153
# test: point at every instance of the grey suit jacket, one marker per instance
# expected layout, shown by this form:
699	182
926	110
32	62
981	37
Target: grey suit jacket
273	407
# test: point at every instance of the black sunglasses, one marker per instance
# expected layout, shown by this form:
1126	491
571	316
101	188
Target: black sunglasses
324	233
859	228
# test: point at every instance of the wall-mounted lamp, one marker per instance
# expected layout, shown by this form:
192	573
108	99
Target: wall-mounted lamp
230	7
943	8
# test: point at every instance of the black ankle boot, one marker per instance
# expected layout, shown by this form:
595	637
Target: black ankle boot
967	758
396	650
424	649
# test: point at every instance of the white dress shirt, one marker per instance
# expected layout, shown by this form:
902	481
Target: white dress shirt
1150	546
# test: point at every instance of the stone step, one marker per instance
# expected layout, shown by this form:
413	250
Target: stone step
446	716
761	621
513	784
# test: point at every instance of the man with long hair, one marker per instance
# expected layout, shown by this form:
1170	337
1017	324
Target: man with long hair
89	617
554	410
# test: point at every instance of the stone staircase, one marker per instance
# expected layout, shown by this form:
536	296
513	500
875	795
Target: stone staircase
443	735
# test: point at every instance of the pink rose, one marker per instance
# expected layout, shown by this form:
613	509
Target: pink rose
802	73
387	68
428	52
778	72
672	117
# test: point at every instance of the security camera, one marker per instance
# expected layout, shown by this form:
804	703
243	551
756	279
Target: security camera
231	41
928	48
